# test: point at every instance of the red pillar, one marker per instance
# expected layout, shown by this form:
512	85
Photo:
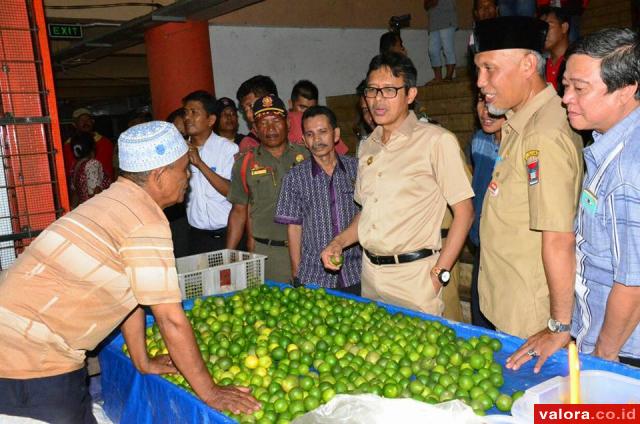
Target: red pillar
179	62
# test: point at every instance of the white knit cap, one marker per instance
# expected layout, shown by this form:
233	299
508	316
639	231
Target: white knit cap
150	146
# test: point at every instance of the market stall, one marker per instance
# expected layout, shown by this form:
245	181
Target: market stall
132	397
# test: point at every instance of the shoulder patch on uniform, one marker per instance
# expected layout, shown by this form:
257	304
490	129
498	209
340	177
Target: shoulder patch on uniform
533	166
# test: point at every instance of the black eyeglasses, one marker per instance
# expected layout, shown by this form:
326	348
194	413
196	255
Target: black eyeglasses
387	92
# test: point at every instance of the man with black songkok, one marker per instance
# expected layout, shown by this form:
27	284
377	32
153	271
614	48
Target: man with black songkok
527	262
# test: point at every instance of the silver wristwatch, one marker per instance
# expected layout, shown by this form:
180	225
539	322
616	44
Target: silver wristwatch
556	326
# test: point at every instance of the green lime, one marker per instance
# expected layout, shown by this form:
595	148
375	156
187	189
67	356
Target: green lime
517	395
337	260
390	390
504	402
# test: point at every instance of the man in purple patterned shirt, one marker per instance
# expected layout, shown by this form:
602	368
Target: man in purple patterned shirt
316	203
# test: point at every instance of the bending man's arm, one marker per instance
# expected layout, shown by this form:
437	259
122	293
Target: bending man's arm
345	239
181	343
621	317
133	330
559	260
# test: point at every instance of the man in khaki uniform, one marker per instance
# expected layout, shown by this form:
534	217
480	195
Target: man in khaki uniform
408	172
256	179
528	247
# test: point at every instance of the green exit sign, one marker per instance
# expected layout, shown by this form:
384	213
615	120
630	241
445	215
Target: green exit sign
65	30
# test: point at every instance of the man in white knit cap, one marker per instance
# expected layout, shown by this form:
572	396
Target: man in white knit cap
88	273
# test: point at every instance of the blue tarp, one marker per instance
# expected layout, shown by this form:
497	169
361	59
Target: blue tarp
130	397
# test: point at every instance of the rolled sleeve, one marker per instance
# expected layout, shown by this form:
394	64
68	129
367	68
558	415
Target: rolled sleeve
450	171
237	194
147	255
625	222
553	192
289	207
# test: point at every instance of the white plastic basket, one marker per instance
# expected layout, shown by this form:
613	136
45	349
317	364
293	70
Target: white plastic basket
221	271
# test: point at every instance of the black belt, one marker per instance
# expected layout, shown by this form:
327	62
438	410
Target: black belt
220	232
278	243
399	259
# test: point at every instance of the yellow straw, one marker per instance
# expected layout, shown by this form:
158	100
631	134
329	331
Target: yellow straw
574	374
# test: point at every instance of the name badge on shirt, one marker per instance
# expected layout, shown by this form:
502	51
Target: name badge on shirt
589	201
493	188
259	171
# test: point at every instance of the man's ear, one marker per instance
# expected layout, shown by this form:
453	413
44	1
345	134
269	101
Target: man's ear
211	120
155	180
336	135
529	64
565	27
411	94
627	93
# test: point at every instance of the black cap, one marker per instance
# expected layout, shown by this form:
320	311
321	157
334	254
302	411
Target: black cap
510	32
269	105
225	102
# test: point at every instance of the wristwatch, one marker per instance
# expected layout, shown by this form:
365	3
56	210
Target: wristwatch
556	326
444	275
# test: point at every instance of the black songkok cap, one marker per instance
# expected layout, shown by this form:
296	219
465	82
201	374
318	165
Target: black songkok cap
510	32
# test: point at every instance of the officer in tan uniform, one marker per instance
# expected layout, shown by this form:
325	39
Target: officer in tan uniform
528	247
256	179
407	174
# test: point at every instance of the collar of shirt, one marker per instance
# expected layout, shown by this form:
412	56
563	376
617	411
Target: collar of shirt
400	136
316	169
486	138
603	144
139	191
262	151
518	120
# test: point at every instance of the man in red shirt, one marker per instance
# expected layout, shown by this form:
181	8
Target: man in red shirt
248	92
83	122
556	44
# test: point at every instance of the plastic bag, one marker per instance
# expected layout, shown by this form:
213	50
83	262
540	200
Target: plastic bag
371	409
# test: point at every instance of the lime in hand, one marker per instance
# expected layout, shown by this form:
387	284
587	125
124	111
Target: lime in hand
337	260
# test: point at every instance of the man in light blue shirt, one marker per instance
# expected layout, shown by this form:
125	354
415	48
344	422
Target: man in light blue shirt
602	93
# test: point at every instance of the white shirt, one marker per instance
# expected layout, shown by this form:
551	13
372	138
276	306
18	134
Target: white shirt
207	209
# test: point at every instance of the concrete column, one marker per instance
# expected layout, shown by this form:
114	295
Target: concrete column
179	62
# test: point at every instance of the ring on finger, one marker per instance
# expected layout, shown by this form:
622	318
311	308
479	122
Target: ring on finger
532	353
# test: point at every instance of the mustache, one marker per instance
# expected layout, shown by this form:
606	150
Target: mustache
319	146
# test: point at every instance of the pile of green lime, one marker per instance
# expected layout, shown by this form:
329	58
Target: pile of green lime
297	348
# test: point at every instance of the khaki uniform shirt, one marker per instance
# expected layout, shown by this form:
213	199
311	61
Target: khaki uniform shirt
535	187
404	187
80	278
264	178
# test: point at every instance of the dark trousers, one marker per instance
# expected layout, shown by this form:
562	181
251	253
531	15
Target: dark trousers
355	289
477	318
61	399
202	241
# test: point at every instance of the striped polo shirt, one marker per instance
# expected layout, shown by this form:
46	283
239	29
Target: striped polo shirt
80	278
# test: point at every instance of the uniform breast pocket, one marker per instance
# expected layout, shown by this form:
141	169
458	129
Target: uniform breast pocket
261	186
